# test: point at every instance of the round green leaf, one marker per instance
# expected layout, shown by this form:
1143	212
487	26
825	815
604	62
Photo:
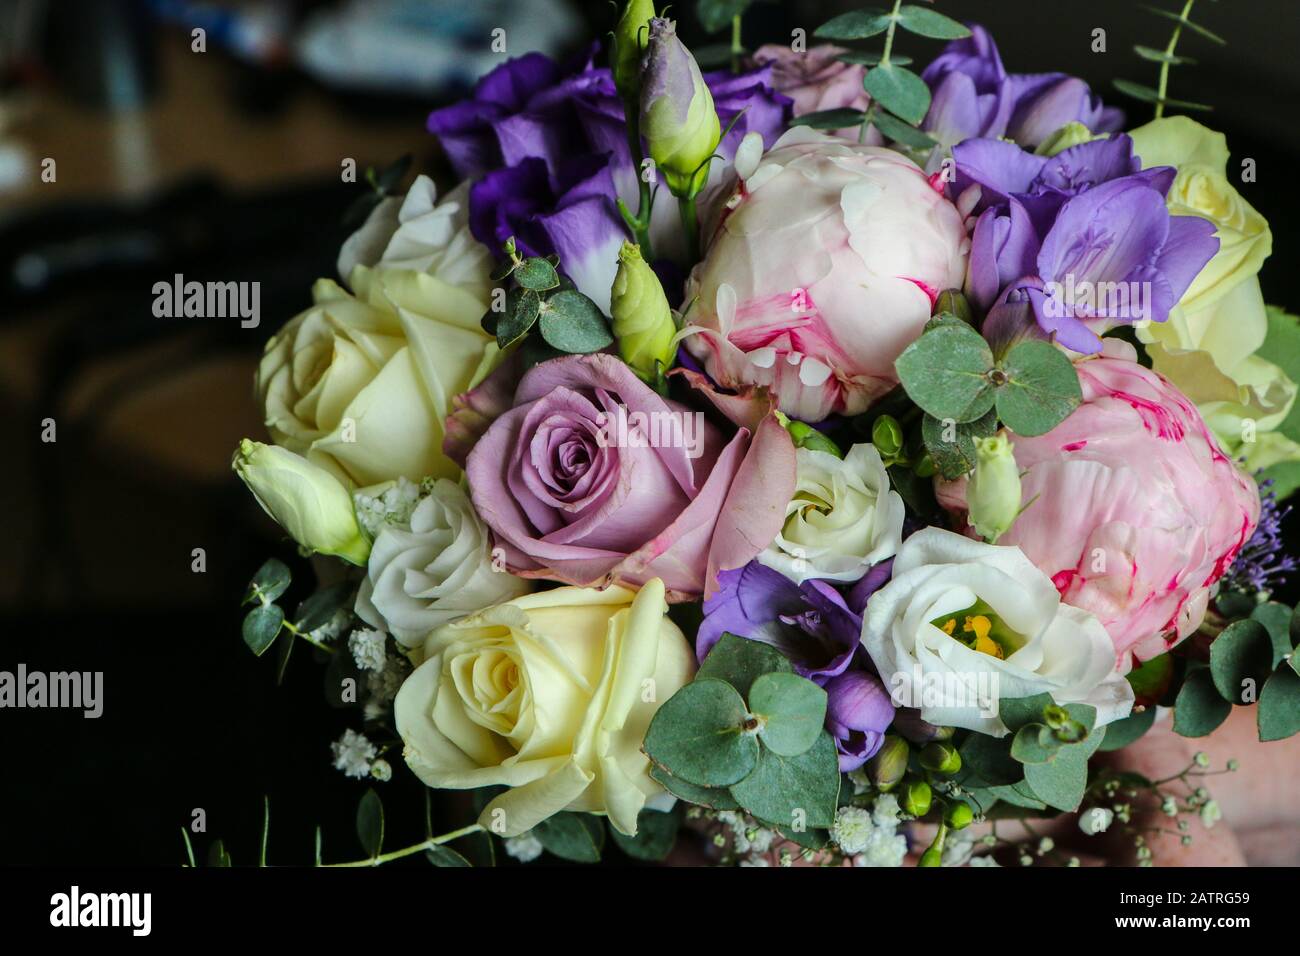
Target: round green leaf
793	711
830	119
1034	743
1241	658
271	580
699	735
787	791
656	832
261	625
522	309
1276	619
317	610
900	132
578	837
900	91
945	372
370	823
952	447
740	661
1151	678
1041	390
866	58
1199	708
715	798
930	23
854	25
537	275
1279	706
573	323
1121	733
988	760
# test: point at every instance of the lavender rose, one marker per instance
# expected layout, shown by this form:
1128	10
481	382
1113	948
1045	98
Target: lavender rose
593	478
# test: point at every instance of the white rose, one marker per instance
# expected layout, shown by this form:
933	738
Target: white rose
433	570
995	599
419	233
842	519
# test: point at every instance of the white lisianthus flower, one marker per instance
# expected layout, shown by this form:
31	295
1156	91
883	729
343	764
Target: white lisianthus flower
842	519
964	624
433	570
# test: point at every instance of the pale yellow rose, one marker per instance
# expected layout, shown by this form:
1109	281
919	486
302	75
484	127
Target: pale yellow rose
550	695
1207	347
361	385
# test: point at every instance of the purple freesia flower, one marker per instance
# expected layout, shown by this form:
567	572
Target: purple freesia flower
548	148
1084	236
974	96
820	630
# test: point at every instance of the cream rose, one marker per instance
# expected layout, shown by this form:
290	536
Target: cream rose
550	695
842	519
964	624
361	385
433	568
1208	346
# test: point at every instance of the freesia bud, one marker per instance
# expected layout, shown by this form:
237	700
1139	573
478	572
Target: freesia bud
889	764
643	322
941	758
630	35
887	436
959	816
916	798
1071	134
304	499
994	490
953	302
805	436
678	120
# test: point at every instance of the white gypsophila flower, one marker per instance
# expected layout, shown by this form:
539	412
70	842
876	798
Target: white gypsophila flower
333	627
367	647
1211	814
978	861
382	686
1096	820
963	624
957	849
353	754
852	829
381	770
885	811
436	568
756	860
388	504
525	848
843	517
419	233
884	848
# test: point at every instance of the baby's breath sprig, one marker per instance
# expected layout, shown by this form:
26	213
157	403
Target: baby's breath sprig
1168	58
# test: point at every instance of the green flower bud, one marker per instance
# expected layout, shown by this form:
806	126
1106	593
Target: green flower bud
941	758
916	798
630	37
959	816
805	436
887	436
643	322
889	764
678	119
304	499
931	857
993	493
1071	134
952	302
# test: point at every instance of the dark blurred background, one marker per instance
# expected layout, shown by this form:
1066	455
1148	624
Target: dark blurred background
226	165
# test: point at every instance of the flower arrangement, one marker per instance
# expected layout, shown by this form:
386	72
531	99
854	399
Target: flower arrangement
798	452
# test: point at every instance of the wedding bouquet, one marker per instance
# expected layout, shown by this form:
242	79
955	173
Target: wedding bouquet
802	452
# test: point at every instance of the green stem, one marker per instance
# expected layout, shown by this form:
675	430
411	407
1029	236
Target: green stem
737	48
299	633
889	34
640	223
690	225
410	850
1164	67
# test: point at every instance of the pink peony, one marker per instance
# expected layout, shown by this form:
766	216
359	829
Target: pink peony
816	80
592	477
1131	507
823	266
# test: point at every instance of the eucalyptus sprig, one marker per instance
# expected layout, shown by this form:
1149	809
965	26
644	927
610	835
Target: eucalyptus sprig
899	97
1167	58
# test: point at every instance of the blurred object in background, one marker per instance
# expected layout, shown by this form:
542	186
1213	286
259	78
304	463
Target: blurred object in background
102	52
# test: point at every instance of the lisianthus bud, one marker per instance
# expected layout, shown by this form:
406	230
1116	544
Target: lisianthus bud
805	436
994	490
678	120
1071	134
941	758
916	798
630	35
889	764
959	816
304	499
643	322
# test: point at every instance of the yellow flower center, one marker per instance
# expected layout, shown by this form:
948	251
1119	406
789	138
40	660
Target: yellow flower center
981	629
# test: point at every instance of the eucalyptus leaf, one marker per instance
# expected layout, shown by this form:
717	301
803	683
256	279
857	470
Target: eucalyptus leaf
1121	733
445	856
261	625
1160	56
1241	658
522	309
715	798
1200	708
1041	390
900	132
956	457
1016	712
899	90
271	580
830	119
792	709
1278	713
989	760
927	22
1276	619
866	58
1031	745
578	837
370	823
1061	781
945	371
794	791
572	323
855	25
656	832
537	275
1018	795
699	735
740	661
319	609
1189	24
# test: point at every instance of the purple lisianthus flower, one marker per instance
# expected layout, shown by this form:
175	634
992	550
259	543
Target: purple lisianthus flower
819	629
547	146
1084	236
973	96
